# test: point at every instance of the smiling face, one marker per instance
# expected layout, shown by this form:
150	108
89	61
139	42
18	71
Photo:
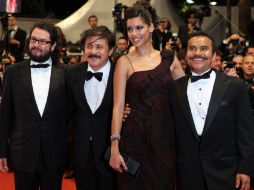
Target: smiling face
138	31
40	52
199	54
96	52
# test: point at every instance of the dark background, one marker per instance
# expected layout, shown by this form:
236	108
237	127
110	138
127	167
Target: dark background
63	8
49	8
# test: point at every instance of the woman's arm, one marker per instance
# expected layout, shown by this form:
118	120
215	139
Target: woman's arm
120	79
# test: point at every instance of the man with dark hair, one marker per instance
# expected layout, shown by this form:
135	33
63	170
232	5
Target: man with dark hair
15	39
34	113
91	85
214	124
92	21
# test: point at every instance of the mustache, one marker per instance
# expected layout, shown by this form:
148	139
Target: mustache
199	57
38	49
93	56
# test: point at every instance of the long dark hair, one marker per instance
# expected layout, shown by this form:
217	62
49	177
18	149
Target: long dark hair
54	38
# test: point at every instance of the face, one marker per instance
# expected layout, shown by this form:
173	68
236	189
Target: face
164	23
199	54
216	63
248	65
250	51
96	52
122	45
93	22
138	31
12	21
40	52
238	61
192	19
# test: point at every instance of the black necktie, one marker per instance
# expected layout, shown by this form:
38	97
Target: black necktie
97	75
40	66
204	76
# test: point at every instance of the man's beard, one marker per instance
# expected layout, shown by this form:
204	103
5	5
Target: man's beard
39	58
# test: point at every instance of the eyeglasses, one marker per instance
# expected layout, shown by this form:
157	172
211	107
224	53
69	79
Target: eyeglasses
41	41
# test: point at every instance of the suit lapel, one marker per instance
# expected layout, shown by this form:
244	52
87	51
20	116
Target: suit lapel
55	77
27	81
219	89
184	104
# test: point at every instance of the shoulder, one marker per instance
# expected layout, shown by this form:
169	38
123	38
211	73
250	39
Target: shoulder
124	61
72	70
21	31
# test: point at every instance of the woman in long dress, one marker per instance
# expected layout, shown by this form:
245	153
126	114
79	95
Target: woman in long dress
143	79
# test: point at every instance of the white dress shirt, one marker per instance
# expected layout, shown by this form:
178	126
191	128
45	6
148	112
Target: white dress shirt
40	82
199	95
94	89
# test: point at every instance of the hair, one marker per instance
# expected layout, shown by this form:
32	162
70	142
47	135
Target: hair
144	10
122	38
101	31
54	38
188	14
202	34
169	24
92	16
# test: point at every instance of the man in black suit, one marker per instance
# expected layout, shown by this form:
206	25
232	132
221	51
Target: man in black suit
214	124
15	39
91	85
33	114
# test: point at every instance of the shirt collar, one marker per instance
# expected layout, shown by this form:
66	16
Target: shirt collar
105	69
49	61
195	74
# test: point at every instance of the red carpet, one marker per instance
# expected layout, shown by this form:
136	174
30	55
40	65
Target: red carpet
7	182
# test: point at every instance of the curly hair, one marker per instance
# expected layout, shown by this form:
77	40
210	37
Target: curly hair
54	38
144	10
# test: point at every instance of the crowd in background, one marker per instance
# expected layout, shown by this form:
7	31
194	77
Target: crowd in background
232	55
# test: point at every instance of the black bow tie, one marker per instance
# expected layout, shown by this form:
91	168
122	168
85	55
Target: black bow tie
40	66
97	75
204	76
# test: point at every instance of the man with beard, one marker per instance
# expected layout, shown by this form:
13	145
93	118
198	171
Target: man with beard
33	114
91	85
214	124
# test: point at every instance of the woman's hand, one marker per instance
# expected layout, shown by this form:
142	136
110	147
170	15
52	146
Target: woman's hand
117	162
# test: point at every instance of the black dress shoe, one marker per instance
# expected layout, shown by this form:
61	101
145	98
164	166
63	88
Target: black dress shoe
69	175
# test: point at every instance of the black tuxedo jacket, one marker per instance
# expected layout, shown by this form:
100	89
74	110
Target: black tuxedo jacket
16	50
89	126
226	146
22	124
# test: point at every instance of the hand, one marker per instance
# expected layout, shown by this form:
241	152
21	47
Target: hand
3	165
117	162
126	111
243	180
14	41
231	72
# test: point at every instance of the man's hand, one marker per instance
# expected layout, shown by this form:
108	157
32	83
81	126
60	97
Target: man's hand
242	181
126	111
3	165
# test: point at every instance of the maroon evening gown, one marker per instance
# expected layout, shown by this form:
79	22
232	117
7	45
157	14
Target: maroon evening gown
148	133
